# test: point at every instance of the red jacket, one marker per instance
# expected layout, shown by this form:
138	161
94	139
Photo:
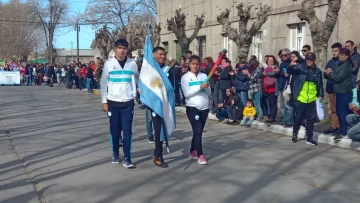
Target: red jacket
80	72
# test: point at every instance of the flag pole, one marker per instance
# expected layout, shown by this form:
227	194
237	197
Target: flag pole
222	55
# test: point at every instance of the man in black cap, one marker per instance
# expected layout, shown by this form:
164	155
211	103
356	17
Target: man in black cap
308	87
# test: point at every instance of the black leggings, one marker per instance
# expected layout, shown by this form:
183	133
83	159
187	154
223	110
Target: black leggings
197	120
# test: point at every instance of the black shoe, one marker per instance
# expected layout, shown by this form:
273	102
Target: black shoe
128	164
270	120
248	126
288	125
294	137
338	137
331	130
311	142
159	162
151	140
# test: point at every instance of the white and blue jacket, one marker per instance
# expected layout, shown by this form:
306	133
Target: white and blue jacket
118	84
195	96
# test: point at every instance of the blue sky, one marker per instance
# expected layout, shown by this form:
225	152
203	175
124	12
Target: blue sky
64	36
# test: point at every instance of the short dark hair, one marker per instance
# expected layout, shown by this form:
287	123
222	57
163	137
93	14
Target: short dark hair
188	52
308	47
351	42
336	45
251	101
157	49
194	57
345	51
280	53
122	42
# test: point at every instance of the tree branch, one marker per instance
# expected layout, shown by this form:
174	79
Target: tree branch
307	12
261	18
198	23
244	14
223	19
331	16
177	24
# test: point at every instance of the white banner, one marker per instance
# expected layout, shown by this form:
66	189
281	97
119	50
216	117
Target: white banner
9	78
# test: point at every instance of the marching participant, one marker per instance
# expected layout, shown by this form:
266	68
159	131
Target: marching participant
118	92
196	92
157	93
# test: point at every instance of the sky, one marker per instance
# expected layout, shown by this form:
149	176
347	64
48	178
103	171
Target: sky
64	36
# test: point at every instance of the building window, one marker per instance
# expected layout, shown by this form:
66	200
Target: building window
227	44
178	50
202	46
297	37
257	46
166	47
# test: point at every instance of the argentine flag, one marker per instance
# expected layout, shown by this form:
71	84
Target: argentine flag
156	91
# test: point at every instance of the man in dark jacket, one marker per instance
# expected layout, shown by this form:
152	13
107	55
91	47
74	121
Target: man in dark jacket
343	89
70	76
308	87
242	82
282	79
355	58
51	74
225	78
332	64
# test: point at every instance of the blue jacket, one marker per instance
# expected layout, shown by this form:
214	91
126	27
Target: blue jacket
301	73
242	81
281	79
333	64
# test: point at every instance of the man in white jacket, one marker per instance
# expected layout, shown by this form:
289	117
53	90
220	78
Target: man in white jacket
118	92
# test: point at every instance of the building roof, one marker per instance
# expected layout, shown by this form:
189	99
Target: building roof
73	52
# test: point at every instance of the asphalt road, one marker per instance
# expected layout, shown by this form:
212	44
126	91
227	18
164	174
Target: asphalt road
54	147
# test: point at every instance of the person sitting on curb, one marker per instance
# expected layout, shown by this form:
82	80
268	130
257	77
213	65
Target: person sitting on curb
234	111
249	114
353	120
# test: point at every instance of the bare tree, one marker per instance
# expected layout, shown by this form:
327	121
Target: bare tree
177	26
124	19
243	37
150	4
20	35
50	14
320	31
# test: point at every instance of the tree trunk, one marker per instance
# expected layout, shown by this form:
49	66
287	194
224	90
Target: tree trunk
320	49
184	48
243	50
51	34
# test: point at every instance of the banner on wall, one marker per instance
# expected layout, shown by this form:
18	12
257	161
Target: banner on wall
9	78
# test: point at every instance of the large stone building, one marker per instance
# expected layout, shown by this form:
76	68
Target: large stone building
282	29
66	56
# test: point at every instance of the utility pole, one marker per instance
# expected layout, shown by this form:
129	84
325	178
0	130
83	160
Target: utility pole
36	53
51	32
77	38
72	57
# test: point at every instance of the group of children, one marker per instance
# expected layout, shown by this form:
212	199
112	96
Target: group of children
232	112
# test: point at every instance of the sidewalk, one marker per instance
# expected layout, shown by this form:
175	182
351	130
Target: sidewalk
276	128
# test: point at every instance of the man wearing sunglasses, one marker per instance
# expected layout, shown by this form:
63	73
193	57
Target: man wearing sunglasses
305	50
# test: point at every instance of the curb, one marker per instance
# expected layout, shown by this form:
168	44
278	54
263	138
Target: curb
320	137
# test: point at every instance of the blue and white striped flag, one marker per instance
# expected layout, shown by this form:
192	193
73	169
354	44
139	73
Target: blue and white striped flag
157	92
